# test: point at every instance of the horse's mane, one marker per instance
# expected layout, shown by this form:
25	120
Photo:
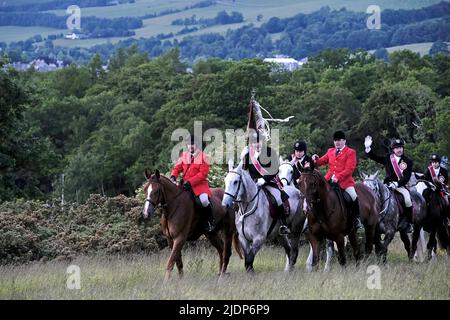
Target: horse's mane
322	182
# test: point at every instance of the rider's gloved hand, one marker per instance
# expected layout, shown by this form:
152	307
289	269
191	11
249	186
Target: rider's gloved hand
368	143
393	185
185	186
260	182
173	179
315	157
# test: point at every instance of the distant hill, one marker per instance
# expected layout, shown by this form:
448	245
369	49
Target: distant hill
294	28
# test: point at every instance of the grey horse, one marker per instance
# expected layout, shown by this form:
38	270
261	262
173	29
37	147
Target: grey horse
253	221
389	216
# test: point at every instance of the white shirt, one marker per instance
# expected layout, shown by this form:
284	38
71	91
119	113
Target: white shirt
436	171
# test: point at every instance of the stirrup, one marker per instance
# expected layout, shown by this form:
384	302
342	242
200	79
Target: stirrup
283	230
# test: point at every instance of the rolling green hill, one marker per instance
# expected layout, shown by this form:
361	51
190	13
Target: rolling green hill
154	26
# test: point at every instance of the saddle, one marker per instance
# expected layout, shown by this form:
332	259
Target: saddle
273	206
345	199
198	207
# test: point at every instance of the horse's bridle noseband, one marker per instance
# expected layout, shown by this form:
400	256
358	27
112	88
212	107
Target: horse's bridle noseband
161	201
234	197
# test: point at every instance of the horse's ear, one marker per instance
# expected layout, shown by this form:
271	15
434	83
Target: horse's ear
147	174
157	174
281	159
376	173
363	175
230	164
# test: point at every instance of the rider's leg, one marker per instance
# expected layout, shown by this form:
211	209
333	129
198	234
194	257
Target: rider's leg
206	204
280	210
355	209
408	208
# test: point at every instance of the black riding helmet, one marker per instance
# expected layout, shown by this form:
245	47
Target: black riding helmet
435	157
395	143
300	145
338	135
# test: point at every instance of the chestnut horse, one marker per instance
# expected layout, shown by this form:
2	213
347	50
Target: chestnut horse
327	216
180	222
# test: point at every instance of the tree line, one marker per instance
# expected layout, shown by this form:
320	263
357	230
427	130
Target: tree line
102	129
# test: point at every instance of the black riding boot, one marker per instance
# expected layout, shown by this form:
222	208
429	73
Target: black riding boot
359	227
408	225
284	229
210	224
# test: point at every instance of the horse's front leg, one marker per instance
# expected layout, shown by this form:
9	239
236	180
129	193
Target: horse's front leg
250	257
175	256
217	242
432	245
286	243
330	250
407	244
313	259
340	242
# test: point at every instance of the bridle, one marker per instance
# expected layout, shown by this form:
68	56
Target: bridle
161	200
234	197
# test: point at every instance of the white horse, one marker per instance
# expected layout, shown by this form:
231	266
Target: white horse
253	221
286	172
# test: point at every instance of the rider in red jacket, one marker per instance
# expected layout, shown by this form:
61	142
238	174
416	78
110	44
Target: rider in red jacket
194	165
342	163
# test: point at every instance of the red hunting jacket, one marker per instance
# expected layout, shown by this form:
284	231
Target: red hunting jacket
342	165
196	172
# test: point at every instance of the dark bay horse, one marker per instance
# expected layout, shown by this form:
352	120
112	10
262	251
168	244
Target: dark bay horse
437	213
327	216
180	222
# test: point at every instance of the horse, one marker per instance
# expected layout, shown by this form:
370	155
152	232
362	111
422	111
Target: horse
180	222
253	221
437	212
286	172
327	218
389	215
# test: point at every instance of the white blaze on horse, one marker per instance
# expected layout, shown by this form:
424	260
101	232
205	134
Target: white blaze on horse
253	221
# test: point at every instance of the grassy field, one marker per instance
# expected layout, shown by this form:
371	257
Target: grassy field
141	277
420	48
250	9
15	33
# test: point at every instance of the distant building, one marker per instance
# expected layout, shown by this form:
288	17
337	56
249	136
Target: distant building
42	65
290	64
72	36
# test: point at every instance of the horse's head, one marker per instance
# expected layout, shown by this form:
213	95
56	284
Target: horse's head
309	184
371	181
286	173
233	185
154	193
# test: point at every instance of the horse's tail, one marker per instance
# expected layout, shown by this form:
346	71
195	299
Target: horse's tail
237	244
